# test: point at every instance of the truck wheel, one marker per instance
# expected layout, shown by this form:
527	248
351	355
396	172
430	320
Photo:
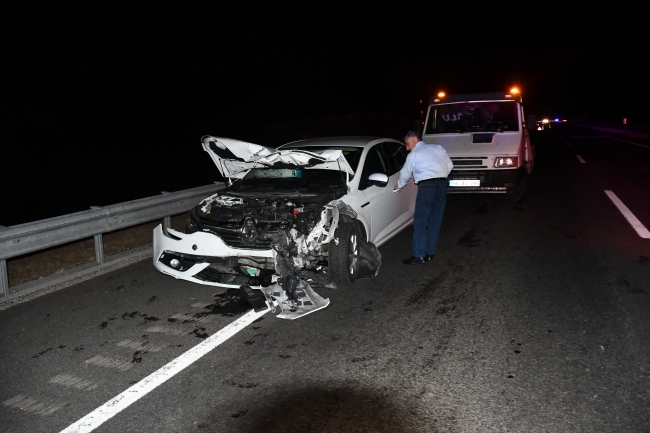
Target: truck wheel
521	193
343	259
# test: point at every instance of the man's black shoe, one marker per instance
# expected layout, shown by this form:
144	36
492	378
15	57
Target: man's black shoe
428	257
414	261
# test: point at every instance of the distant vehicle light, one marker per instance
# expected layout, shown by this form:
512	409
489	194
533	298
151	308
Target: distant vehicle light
514	91
557	120
441	94
545	121
563	120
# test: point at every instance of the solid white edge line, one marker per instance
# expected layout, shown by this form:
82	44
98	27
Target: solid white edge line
629	216
112	407
580	159
625	141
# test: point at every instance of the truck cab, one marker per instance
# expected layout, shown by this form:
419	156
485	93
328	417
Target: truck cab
486	138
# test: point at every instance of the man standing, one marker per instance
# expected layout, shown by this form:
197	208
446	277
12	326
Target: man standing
430	166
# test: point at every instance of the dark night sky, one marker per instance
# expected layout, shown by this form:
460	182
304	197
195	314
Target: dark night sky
106	103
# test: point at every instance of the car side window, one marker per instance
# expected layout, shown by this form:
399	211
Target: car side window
375	163
396	154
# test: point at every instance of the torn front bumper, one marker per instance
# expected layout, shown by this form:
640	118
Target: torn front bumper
199	256
202	258
275	297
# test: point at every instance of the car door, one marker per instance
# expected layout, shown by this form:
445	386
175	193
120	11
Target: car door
385	205
396	152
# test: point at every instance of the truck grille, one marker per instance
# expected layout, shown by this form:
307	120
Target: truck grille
473	162
469	161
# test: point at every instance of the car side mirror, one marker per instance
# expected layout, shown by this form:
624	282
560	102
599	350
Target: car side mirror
378	179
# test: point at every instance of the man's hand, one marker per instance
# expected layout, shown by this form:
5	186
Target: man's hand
396	189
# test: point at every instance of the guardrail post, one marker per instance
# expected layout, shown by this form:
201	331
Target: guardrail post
167	221
99	249
4	278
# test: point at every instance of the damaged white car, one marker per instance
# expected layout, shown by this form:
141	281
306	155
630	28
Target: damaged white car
308	214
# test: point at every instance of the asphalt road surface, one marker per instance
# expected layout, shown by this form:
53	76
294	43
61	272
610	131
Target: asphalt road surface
532	318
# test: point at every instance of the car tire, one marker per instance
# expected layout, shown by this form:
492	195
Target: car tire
343	259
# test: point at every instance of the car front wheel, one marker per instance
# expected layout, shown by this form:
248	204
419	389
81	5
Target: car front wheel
343	260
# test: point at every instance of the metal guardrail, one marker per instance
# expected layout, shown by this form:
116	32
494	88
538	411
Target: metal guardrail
39	235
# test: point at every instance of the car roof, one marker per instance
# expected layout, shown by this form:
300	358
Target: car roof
352	141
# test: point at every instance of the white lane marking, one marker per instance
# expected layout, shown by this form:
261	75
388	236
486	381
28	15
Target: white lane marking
114	406
580	159
625	141
72	381
629	216
29	404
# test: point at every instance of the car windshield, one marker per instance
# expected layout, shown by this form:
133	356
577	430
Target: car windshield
472	117
281	180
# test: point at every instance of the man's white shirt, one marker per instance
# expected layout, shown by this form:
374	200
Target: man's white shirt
425	161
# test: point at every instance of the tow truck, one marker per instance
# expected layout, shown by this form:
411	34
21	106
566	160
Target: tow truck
485	136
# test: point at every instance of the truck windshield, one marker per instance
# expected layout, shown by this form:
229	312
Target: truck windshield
473	117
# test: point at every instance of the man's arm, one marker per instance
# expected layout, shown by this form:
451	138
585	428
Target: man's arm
406	172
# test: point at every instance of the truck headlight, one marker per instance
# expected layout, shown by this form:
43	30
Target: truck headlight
508	161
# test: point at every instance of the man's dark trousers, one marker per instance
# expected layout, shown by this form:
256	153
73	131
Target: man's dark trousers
429	208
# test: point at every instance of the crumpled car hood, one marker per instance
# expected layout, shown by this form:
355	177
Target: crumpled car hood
234	158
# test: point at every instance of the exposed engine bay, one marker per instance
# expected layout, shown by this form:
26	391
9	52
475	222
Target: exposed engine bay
301	230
